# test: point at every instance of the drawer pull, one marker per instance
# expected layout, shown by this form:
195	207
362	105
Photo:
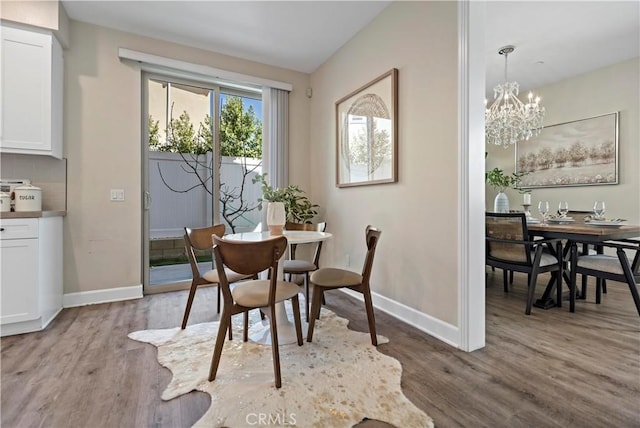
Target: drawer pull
1	229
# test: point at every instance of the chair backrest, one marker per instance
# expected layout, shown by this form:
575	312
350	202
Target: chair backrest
317	227
248	258
199	239
372	236
500	228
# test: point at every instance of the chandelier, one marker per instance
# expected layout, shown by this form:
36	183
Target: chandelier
509	120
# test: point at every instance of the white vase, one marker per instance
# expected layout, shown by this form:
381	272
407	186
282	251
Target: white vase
276	217
501	203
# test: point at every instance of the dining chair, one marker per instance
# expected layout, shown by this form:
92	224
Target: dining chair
295	266
200	239
580	217
333	278
604	266
251	258
509	247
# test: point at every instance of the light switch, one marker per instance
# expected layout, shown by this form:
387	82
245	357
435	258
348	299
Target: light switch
117	195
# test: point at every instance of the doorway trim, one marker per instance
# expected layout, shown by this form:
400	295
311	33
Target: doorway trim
471	190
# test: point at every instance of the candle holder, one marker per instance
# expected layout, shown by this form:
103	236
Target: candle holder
527	212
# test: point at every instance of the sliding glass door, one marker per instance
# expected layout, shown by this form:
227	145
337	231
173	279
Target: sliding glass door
202	147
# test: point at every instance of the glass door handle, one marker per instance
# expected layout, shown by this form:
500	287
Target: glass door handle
147	201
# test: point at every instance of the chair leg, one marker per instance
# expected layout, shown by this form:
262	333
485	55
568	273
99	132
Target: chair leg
368	303
295	302
604	286
315	310
245	335
599	290
628	274
504	281
574	260
559	277
306	295
583	292
187	310
531	293
274	347
225	322
219	297
572	282
511	277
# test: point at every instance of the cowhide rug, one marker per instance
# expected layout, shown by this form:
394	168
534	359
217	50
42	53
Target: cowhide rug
336	381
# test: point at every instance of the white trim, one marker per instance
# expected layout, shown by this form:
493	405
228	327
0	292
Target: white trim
21	327
106	295
29	326
471	148
161	64
432	326
46	322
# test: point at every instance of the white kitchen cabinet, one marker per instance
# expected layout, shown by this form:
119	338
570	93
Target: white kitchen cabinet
31	273
31	83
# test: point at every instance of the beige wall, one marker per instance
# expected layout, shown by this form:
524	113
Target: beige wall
610	89
103	146
47	14
416	263
39	13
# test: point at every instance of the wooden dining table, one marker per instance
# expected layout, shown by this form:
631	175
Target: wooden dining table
575	233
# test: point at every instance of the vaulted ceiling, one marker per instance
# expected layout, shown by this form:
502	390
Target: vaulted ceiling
554	39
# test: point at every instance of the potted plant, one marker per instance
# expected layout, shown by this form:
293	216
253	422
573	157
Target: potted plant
284	204
500	182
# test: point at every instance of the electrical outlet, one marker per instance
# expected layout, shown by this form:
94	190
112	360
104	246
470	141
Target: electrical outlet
117	195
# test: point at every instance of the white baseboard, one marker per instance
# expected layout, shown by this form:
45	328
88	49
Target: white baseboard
434	327
107	295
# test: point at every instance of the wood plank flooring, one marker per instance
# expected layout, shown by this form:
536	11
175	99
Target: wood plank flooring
550	369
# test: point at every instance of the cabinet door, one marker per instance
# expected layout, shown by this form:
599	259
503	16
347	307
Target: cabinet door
18	280
26	91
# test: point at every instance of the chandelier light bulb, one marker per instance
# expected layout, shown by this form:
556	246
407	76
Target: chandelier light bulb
509	120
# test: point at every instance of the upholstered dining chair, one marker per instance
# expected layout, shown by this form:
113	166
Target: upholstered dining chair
509	247
200	239
295	266
250	258
580	217
604	266
333	278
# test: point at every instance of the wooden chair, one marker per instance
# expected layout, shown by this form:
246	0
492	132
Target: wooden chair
295	266
603	266
333	278
509	247
250	258
199	239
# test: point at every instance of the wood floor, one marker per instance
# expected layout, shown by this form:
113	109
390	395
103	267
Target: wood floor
550	369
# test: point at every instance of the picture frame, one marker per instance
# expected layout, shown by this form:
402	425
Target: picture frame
367	133
582	152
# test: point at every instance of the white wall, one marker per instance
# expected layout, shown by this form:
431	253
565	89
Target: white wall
416	262
606	90
103	239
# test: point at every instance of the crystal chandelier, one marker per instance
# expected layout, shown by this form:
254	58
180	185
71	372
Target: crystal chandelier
509	120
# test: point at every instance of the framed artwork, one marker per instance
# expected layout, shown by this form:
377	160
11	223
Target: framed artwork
367	133
579	153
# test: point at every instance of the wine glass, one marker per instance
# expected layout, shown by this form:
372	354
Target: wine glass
599	209
543	209
563	208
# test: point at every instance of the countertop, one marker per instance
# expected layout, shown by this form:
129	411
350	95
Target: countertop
32	214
